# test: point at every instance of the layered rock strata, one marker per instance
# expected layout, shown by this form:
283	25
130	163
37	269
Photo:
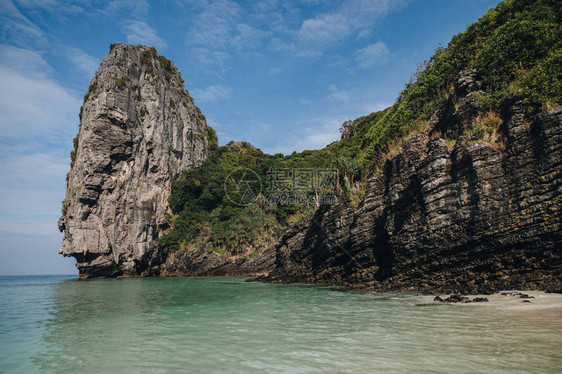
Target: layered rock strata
446	214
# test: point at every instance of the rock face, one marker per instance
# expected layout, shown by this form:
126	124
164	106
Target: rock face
471	216
139	128
203	261
472	204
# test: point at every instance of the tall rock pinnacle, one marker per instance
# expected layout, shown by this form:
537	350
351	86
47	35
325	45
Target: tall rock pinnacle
139	128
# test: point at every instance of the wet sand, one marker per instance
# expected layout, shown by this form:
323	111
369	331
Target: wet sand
538	300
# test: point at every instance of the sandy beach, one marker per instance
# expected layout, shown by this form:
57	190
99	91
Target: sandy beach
511	299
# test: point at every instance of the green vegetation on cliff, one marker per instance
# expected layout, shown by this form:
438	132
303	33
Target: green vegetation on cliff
516	49
202	209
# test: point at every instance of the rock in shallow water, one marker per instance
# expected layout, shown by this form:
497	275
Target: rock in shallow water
461	299
457	299
480	300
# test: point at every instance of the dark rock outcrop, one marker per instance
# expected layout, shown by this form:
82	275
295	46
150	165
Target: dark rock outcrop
139	128
204	261
446	215
480	300
461	299
347	130
515	293
457	299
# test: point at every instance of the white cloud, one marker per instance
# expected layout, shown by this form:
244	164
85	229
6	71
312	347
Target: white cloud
279	26
318	132
32	107
324	29
135	8
138	32
315	133
83	61
363	14
336	95
32	104
353	17
374	54
265	6
42	4
213	28
248	37
39	170
212	31
52	6
17	28
216	33
212	94
24	61
276	70
283	46
39	118
209	60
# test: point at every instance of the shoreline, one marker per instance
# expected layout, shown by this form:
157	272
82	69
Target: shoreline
534	299
537	299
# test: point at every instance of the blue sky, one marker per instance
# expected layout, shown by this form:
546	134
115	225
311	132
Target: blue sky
283	75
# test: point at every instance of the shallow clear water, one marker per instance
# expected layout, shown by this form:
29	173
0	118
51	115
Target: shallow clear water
224	325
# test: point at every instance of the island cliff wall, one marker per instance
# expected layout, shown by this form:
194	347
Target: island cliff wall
139	129
447	213
471	203
455	210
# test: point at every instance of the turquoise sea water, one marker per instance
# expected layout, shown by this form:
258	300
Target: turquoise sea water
224	325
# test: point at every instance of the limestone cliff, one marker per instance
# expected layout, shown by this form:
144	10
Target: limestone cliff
139	129
447	213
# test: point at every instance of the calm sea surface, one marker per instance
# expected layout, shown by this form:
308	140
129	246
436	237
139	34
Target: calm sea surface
224	325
